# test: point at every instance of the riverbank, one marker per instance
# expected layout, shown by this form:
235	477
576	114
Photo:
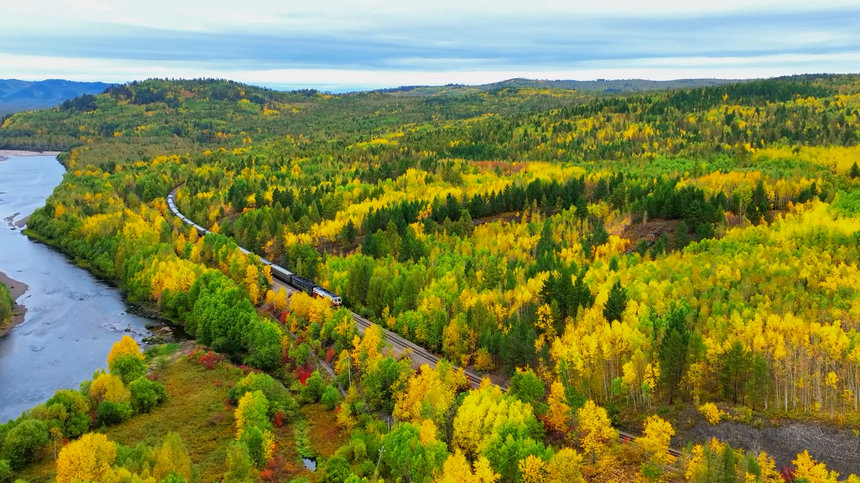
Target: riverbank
6	153
16	289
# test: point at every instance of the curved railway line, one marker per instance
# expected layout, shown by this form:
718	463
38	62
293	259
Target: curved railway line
419	354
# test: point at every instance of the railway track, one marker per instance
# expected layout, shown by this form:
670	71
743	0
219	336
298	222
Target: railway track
419	354
626	437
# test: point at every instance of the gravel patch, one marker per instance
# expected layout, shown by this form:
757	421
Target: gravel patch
838	448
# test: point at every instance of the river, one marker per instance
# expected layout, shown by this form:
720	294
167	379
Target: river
72	318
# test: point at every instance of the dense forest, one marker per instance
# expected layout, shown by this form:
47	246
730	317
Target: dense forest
613	258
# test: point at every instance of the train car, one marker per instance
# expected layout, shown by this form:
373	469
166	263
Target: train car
302	284
281	274
320	292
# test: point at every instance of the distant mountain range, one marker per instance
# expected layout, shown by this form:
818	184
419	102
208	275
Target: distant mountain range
17	95
600	85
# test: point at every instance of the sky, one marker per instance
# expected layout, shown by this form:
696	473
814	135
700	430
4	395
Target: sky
341	45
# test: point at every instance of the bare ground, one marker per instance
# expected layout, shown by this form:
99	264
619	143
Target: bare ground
838	448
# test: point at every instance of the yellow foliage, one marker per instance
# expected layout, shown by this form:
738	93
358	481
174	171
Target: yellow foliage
564	467
655	440
711	413
366	348
172	458
87	458
108	387
484	360
594	428
125	346
532	469
482	413
429	394
313	310
252	283
427	431
811	470
558	414
278	299
456	469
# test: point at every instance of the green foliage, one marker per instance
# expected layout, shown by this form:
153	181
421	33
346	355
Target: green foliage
278	396
616	303
735	371
173	478
265	345
24	441
672	350
253	438
847	203
128	367
313	388
110	412
253	410
146	394
77	411
330	397
381	382
509	446
528	388
408	458
5	471
336	470
6	304
239	464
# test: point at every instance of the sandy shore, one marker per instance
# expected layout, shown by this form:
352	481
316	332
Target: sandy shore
5	153
16	289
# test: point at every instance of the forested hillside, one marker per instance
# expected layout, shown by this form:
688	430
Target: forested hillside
644	253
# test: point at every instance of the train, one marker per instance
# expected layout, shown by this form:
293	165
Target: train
278	271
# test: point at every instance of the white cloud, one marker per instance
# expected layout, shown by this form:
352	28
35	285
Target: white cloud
35	68
382	43
346	15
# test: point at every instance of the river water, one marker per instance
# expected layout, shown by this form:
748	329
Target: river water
72	317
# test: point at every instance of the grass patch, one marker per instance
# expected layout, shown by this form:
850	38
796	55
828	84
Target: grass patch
325	435
161	350
197	408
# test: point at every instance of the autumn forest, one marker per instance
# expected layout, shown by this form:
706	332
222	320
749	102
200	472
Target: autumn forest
637	262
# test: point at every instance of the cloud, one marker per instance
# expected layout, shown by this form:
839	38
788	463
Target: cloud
443	37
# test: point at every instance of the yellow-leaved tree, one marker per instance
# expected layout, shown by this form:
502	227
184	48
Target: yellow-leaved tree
367	348
655	440
125	346
309	308
430	393
456	469
533	469
86	459
484	412
564	467
172	458
108	387
811	470
594	429
558	413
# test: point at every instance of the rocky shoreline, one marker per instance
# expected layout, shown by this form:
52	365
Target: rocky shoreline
16	289
5	153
